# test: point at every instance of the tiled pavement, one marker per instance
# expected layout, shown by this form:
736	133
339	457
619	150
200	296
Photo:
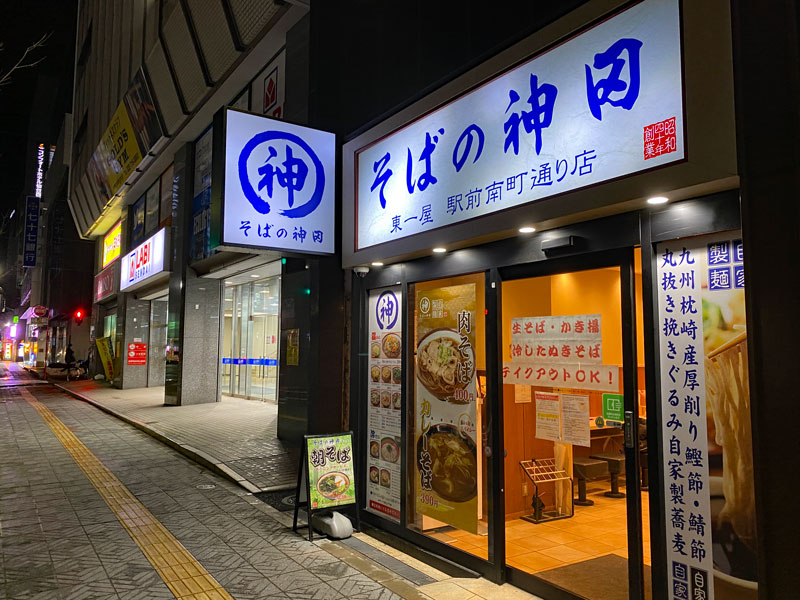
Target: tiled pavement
59	538
239	438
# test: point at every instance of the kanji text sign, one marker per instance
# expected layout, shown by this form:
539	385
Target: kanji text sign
605	104
280	181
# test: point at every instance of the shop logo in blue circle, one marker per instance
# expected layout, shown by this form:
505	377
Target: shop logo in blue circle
286	161
386	310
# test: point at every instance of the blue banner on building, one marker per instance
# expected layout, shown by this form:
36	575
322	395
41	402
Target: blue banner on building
31	231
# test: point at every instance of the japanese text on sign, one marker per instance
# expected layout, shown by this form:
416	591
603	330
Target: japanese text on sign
279	184
564	120
602	378
688	518
31	239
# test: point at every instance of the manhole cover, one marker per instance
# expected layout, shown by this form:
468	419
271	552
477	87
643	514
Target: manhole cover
205	486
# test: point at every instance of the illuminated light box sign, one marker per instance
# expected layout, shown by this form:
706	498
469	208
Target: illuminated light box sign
605	104
106	282
111	244
273	185
143	262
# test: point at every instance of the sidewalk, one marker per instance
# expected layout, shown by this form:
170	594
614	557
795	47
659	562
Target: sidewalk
235	438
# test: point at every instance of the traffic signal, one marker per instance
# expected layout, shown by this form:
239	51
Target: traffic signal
78	317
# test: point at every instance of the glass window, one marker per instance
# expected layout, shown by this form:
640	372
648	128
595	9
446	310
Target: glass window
165	209
250	338
563	418
199	244
151	210
137	223
448	420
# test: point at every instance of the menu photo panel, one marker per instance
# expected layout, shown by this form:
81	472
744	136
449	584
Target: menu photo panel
384	402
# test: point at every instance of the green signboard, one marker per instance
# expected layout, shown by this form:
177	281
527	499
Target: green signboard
326	474
613	407
330	471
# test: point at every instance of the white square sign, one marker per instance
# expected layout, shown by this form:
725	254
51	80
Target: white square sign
280	182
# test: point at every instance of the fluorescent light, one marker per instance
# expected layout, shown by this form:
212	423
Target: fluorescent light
658	200
228	283
253	275
377	264
439	250
527	229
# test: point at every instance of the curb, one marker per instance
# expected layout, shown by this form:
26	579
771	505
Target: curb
192	453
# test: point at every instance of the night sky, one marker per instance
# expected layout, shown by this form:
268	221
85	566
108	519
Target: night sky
21	24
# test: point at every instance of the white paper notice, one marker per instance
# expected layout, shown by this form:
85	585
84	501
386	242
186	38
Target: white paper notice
522	394
548	417
575	419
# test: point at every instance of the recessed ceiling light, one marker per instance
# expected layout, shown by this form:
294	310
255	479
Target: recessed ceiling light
439	250
658	200
527	229
377	264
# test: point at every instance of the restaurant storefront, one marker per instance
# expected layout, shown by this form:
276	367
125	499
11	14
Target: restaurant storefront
549	361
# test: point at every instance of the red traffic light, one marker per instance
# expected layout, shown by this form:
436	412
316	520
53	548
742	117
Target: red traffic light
78	317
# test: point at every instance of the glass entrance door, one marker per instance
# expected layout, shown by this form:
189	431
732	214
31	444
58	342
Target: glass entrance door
572	477
251	331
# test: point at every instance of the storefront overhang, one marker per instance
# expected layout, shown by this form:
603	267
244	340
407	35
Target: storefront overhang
707	131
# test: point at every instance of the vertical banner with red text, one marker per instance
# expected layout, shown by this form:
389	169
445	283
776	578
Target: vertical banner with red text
445	406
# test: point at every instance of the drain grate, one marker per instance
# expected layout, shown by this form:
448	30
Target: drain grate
205	486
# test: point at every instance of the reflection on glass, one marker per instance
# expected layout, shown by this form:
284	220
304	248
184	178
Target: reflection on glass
448	413
562	432
251	332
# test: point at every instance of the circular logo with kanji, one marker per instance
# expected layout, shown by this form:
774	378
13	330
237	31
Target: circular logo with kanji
279	168
424	305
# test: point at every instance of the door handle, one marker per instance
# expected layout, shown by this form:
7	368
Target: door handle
630	438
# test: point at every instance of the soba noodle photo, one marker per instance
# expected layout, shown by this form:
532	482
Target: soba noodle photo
453	462
438	363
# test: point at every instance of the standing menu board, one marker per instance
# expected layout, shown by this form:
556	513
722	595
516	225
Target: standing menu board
330	470
384	403
326	475
446	449
705	410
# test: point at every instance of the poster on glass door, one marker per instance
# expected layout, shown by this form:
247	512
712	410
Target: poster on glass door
708	462
445	406
385	402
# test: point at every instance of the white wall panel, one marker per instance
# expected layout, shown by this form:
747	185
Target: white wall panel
251	16
163	88
213	32
184	60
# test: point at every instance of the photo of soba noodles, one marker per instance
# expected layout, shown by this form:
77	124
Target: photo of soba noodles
733	512
439	362
453	462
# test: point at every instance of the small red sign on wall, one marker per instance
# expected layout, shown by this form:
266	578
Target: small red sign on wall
137	354
660	138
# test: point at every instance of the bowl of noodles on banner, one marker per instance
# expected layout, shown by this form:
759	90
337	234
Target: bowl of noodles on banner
443	368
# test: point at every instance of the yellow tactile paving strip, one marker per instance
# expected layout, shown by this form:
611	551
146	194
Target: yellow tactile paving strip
181	571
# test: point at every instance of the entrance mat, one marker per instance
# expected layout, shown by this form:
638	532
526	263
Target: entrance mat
601	578
283	501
